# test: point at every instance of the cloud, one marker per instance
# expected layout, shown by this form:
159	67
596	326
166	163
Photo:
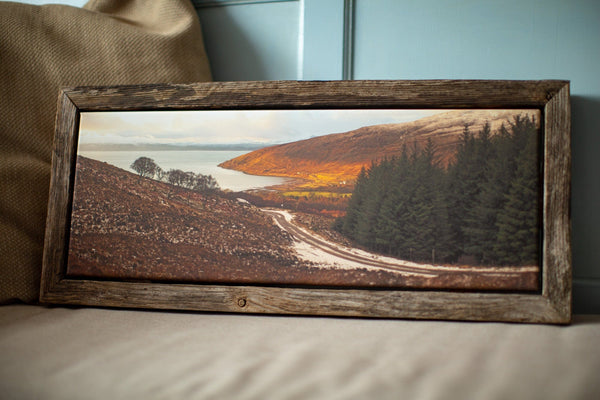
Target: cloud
231	126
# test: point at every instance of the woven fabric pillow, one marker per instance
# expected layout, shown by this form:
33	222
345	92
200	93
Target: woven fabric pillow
44	48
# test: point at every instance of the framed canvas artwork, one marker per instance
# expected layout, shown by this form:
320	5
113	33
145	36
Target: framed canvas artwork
408	199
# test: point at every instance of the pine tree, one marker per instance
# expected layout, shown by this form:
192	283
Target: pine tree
423	203
412	219
478	220
391	229
355	205
463	189
377	189
388	227
492	198
518	222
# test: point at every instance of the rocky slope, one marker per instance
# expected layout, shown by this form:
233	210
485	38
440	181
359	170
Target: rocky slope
125	226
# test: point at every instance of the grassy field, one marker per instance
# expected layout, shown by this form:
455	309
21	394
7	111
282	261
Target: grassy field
309	195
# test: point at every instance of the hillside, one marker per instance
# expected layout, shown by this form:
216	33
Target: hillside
132	228
337	158
125	226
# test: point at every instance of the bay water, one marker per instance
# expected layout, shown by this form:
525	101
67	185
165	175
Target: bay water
198	161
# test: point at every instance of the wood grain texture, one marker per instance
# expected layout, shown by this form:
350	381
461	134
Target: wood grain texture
552	305
557	275
307	301
67	122
318	94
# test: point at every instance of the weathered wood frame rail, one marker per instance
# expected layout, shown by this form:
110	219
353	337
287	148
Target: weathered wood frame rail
551	305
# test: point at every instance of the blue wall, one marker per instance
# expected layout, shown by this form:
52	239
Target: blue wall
252	41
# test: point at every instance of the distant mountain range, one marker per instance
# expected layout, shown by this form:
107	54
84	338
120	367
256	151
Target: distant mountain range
337	158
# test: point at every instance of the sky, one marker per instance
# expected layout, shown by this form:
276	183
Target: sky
230	126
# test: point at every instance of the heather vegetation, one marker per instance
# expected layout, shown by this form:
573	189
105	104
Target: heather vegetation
482	208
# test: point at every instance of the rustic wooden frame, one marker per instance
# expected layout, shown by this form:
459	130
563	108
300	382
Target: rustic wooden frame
551	305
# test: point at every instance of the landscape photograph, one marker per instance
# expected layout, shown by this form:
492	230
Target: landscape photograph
389	198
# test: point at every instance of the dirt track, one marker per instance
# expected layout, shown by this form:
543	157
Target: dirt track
343	254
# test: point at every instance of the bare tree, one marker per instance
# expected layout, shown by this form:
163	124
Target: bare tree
176	177
203	183
161	174
144	166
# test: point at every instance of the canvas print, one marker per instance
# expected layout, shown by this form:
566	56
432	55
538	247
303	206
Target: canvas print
430	199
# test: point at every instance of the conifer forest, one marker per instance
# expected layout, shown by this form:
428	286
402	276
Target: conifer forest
481	208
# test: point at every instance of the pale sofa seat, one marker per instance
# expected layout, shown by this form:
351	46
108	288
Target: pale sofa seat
62	353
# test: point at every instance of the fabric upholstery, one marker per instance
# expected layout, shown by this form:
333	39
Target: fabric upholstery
44	48
61	353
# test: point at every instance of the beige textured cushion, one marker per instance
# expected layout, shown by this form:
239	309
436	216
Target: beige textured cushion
43	48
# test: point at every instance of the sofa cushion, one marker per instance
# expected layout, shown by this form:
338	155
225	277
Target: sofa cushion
87	353
44	48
